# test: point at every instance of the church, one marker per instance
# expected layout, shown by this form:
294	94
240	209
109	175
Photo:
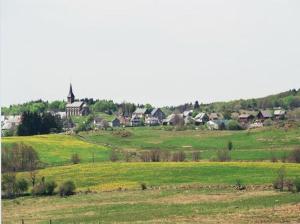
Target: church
75	107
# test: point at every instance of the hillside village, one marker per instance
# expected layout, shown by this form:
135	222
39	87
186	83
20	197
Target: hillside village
77	113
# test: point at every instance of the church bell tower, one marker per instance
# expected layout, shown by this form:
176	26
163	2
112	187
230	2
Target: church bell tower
71	97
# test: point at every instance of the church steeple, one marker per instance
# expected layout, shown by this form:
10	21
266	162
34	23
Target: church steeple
71	97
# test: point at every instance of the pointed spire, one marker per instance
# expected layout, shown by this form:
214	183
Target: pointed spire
71	96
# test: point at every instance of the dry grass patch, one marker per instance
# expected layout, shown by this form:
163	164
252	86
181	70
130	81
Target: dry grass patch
207	198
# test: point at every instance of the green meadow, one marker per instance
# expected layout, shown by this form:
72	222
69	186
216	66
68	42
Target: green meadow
253	145
157	206
177	192
115	176
57	149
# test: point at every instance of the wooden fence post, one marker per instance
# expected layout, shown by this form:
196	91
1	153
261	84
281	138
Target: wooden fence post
22	221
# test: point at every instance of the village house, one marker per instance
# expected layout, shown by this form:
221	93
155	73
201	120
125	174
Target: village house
61	114
115	123
246	118
124	121
171	119
189	120
201	118
152	121
216	124
264	115
279	114
187	113
140	112
136	120
100	123
75	108
157	113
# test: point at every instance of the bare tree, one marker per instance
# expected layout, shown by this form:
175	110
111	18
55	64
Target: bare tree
196	156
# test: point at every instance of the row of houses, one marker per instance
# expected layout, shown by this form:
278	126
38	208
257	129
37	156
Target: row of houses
141	116
144	116
262	115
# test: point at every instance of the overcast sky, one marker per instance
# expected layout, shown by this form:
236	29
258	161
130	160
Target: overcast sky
159	51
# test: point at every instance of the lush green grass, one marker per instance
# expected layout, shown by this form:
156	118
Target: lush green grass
159	206
253	145
112	176
153	138
248	145
57	149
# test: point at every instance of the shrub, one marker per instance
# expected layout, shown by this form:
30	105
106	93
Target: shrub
122	133
113	156
145	156
178	156
279	182
290	185
155	155
223	155
196	156
233	125
230	145
67	188
8	182
75	158
297	184
239	185
22	185
268	122
295	156
284	157
39	189
143	186
50	187
165	156
273	157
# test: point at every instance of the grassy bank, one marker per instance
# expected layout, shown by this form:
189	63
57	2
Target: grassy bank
113	176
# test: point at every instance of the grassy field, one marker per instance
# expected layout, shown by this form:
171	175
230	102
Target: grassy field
157	206
153	138
57	149
185	192
248	145
256	145
113	176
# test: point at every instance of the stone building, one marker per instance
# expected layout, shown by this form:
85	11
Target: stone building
75	107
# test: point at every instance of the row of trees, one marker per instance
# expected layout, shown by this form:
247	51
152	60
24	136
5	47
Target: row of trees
288	100
33	123
38	106
13	187
18	157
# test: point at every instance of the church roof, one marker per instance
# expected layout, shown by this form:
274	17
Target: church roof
75	104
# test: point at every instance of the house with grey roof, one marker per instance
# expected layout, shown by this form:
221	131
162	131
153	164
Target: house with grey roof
136	120
115	123
157	113
201	118
264	115
279	114
246	118
171	119
152	121
140	112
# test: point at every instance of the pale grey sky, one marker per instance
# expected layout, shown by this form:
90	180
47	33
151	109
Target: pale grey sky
159	51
